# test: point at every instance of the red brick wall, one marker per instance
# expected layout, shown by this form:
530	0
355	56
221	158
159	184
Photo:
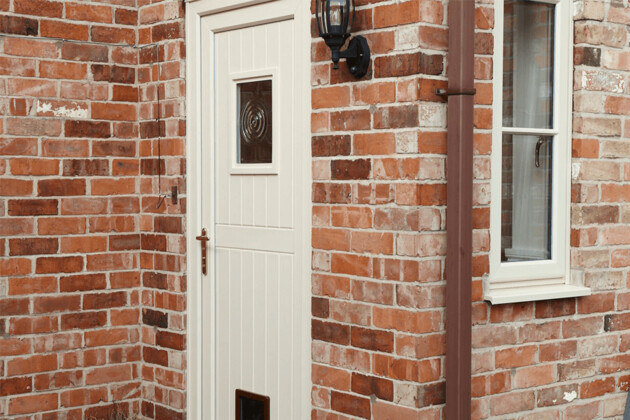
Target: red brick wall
379	191
92	274
69	238
379	220
91	287
532	359
162	255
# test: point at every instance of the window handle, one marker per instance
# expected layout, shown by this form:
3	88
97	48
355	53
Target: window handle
541	140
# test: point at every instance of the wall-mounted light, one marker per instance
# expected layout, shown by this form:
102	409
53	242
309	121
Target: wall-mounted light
334	21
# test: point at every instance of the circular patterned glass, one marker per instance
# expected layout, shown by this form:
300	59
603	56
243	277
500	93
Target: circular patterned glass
254	122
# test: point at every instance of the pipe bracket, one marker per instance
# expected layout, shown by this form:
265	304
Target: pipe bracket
454	92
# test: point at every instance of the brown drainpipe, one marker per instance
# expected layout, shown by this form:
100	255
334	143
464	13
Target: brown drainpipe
459	161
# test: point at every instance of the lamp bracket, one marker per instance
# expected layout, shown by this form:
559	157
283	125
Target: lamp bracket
357	56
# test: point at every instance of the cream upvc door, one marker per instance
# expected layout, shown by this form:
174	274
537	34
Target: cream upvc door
253	173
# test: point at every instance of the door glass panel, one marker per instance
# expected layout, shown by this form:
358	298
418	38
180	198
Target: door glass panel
254	122
528	55
526	184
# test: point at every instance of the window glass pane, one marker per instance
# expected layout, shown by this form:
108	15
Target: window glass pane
254	122
526	198
528	40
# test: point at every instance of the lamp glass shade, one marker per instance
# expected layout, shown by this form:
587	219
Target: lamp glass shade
334	17
336	12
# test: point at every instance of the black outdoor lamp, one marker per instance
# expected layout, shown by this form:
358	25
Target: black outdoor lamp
334	21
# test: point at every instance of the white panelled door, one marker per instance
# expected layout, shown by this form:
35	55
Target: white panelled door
255	323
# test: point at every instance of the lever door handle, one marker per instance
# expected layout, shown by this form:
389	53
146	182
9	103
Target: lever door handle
204	250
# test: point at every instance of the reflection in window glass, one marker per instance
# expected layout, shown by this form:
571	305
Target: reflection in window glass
526	198
528	42
254	137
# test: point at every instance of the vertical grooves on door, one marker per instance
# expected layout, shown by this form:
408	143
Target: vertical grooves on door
295	298
273	344
237	179
237	313
246	336
260	338
267	179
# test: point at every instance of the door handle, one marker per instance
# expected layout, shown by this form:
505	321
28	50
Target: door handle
204	250
541	140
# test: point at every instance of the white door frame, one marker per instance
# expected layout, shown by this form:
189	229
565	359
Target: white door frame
235	14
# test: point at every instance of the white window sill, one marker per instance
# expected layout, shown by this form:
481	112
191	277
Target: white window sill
528	294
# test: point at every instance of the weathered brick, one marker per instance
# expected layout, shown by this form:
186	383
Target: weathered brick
350	169
114	148
39	8
377	340
18	25
60	187
83	320
170	340
33	207
113	35
330	332
92	13
350	404
33	403
155	356
82	282
396	117
30	48
115	112
86	167
155	318
166	31
126	17
104	300
84	52
371	385
114	74
331	145
33	246
59	264
350	120
167	224
87	129
15	386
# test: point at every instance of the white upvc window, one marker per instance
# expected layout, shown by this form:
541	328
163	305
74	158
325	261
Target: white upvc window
531	153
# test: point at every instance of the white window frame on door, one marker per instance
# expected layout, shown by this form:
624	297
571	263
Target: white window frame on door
542	279
235	14
255	168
